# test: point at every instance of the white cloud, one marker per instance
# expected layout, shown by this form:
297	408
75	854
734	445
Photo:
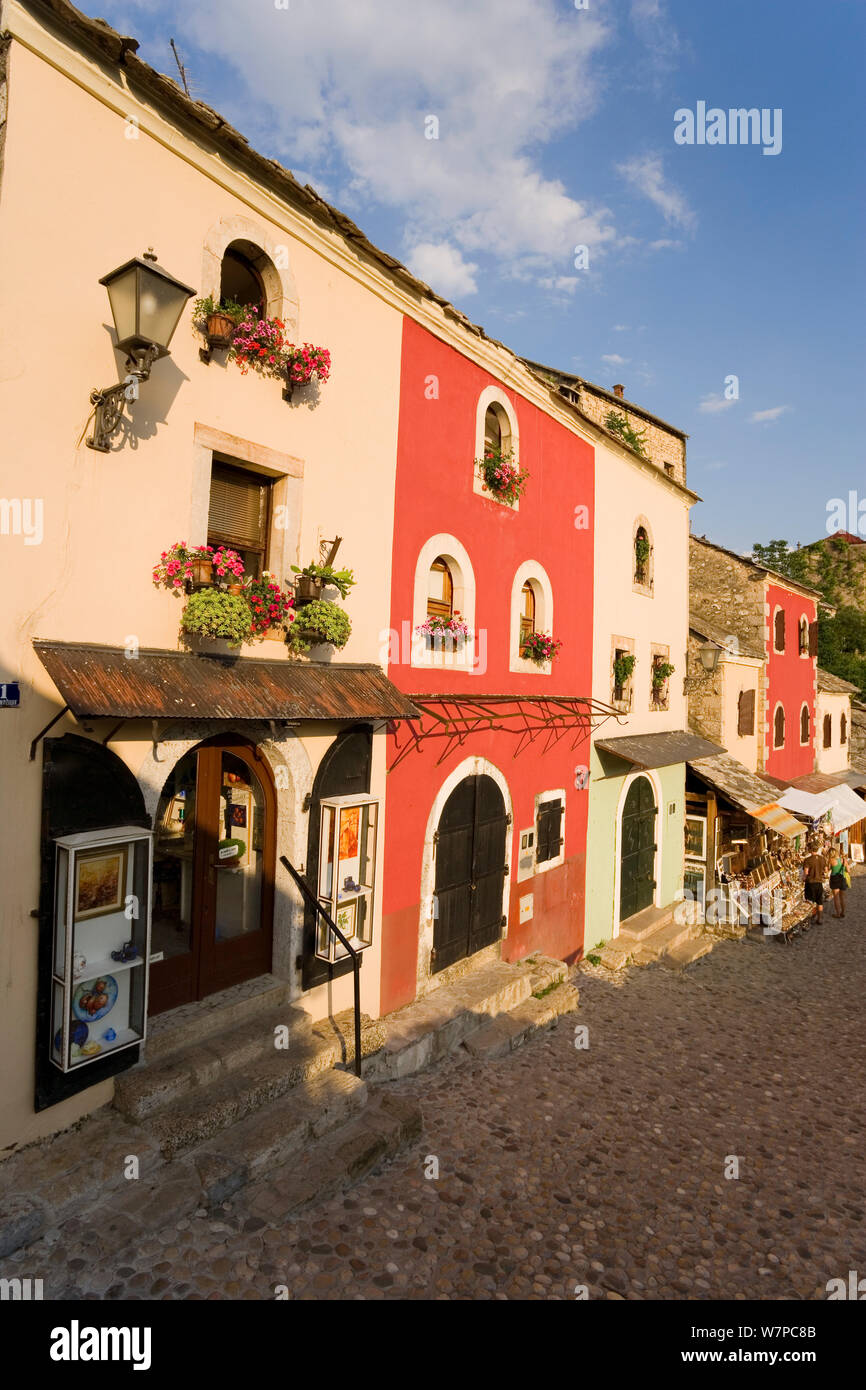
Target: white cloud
712	404
759	417
653	26
621	328
443	268
560	284
348	91
613	359
666	244
645	174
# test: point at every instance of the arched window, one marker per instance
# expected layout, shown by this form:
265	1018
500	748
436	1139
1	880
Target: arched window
779	630
240	280
804	724
843	729
496	431
803	631
828	731
641	556
779	728
527	612
440	591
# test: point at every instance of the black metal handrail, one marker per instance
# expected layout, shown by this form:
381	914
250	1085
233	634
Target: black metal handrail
312	901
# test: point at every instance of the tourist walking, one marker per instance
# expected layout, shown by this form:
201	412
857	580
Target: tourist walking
840	880
814	868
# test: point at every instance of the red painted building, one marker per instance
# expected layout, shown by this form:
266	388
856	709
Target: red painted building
791	674
485	840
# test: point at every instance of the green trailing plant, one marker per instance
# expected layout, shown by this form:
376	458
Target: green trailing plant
319	621
635	439
214	613
642	550
661	672
622	669
341	580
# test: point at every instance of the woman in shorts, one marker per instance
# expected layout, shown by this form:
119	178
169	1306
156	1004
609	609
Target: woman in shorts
839	880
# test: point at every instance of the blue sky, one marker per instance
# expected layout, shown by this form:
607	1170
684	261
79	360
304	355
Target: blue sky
556	129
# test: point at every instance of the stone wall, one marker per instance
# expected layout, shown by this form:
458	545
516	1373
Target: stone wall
728	591
858	737
662	446
705	699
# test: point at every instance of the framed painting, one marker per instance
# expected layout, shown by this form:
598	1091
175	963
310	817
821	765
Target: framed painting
100	883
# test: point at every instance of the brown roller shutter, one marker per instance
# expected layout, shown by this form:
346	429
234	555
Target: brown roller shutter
238	509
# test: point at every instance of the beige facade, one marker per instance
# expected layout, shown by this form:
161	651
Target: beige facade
832	729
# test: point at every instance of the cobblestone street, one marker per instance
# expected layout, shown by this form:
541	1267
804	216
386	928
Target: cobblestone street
602	1167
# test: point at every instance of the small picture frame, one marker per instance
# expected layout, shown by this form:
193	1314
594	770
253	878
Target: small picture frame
346	916
100	883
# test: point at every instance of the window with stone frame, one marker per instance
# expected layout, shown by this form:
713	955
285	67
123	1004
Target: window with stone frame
660	685
746	713
779	727
803	636
828	731
527	612
779	630
622	672
548	831
805	725
843	729
239	514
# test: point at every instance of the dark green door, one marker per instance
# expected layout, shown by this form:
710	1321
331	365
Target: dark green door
470	867
637	877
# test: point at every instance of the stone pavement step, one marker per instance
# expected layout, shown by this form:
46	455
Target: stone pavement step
687	951
152	1085
218	1013
267	1138
645	923
436	1024
385	1126
666	939
507	1032
207	1109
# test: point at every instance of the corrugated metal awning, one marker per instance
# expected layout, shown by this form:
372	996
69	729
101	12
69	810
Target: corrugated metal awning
98	682
659	750
777	818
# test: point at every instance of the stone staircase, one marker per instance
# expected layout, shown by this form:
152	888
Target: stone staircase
246	1087
654	935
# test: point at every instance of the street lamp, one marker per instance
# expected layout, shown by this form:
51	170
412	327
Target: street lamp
146	303
709	654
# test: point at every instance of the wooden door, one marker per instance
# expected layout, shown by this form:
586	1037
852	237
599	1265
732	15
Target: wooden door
471	845
214	856
638	849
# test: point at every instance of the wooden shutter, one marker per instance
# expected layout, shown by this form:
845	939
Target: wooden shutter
238	508
779	640
746	713
549	831
813	639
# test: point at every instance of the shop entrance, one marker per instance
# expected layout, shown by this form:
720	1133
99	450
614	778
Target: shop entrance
638	849
213	874
470	868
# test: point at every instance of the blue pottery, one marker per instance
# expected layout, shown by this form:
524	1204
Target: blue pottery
109	1035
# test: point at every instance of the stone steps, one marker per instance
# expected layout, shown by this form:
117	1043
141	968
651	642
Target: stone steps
155	1084
216	1015
667	938
509	1031
681	956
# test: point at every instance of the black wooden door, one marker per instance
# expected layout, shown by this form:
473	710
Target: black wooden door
637	879
471	844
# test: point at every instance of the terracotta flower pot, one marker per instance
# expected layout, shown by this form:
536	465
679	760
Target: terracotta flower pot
219	329
202	573
235	588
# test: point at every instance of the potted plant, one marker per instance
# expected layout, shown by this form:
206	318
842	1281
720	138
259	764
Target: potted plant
228	567
270	607
220	318
215	616
444	634
641	555
259	343
319	624
622	670
313	579
661	673
184	567
301	364
539	647
501	475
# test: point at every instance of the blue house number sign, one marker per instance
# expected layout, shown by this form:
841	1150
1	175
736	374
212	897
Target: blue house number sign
10	695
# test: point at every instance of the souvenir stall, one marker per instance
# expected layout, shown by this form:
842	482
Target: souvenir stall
839	814
752	848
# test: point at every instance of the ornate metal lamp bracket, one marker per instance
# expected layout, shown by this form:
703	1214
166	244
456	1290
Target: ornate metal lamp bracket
110	402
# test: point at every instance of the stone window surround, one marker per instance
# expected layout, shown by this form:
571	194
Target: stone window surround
626	644
495	396
778	706
463	602
645	589
656	649
804	655
804	742
557	795
780	651
534	573
279	282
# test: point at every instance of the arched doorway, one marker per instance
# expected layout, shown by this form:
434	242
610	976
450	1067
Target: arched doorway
471	863
213	874
637	848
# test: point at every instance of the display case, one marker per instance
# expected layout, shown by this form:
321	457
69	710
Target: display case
101	944
347	872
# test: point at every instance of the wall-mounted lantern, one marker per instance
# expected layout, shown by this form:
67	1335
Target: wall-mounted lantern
146	304
709	654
